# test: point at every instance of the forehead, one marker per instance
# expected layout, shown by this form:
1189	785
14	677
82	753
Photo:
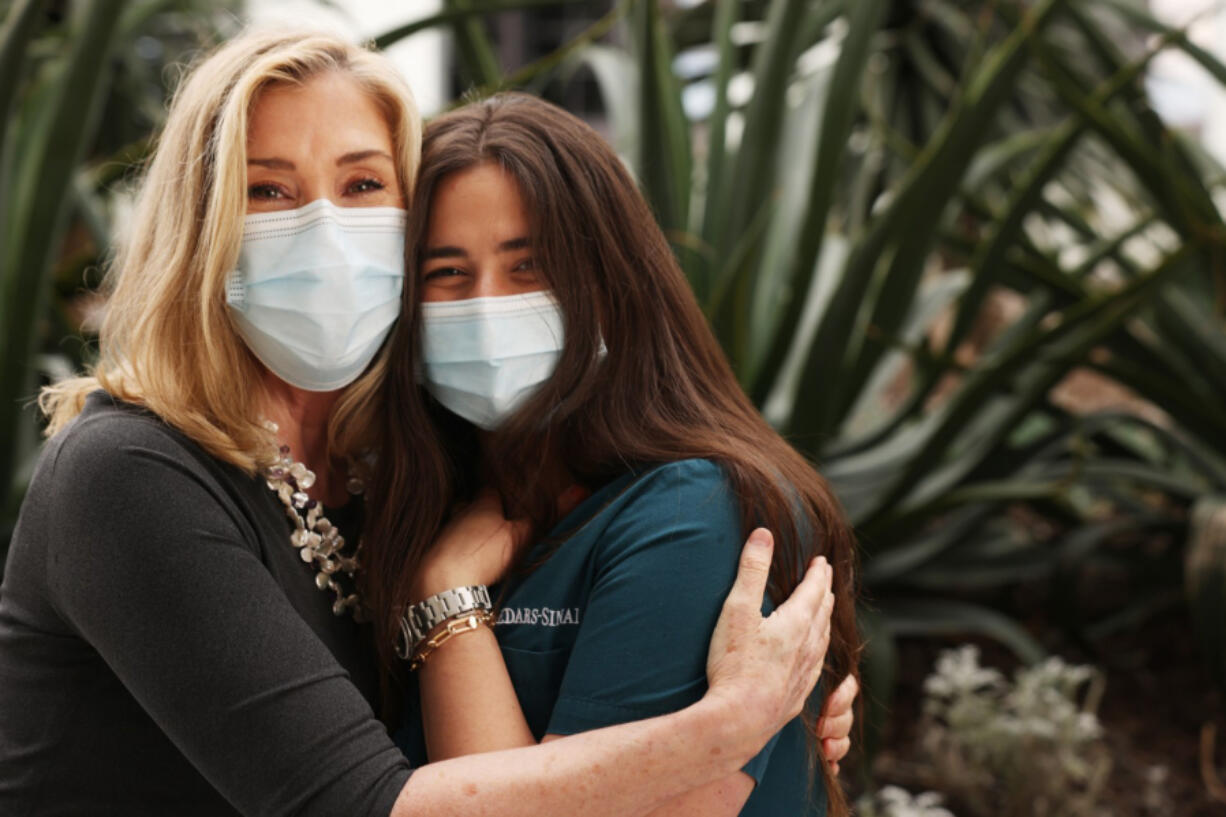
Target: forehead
326	109
483	201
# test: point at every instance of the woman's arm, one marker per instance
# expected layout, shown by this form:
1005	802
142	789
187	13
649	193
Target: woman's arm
468	704
725	796
760	670
619	771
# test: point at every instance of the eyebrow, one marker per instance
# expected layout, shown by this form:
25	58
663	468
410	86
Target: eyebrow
521	243
275	164
347	159
359	155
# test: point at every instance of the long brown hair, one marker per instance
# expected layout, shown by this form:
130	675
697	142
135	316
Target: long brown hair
664	392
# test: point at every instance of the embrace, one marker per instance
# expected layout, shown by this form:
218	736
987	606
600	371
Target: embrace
410	480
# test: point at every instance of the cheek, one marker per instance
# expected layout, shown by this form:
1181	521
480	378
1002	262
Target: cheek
427	294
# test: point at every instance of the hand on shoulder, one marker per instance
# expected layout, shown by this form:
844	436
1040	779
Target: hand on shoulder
764	669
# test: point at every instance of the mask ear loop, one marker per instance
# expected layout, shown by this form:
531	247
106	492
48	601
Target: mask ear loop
236	290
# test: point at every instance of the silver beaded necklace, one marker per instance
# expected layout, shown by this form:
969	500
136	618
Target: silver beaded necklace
318	541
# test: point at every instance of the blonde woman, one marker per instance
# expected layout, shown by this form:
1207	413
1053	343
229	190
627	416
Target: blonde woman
178	621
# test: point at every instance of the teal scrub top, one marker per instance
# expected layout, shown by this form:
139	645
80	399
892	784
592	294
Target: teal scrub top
613	619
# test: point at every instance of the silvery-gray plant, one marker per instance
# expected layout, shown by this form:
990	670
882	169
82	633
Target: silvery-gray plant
1027	747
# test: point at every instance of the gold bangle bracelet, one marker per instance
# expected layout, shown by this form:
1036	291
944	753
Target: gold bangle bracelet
448	630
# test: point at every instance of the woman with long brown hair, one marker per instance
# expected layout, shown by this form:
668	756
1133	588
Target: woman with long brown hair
555	367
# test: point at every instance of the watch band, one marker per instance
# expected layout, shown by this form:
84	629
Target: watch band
419	619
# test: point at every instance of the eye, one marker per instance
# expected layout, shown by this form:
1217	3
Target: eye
526	265
441	273
266	192
367	185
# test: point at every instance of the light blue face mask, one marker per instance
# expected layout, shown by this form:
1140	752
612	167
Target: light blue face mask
485	356
317	289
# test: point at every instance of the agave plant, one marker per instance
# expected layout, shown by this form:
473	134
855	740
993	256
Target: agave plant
42	145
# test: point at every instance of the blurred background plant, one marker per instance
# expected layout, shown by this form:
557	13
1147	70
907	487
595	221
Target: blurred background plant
997	748
951	249
83	87
895	801
1030	746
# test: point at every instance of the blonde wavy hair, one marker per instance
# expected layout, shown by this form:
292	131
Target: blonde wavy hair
167	342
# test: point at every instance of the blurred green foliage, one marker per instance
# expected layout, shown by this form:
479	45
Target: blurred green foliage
83	86
909	221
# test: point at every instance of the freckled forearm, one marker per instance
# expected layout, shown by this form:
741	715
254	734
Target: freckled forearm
619	771
467	699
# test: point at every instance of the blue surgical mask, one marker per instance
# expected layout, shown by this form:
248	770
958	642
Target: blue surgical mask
317	290
484	357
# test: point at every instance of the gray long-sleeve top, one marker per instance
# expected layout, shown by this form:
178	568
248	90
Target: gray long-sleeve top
163	648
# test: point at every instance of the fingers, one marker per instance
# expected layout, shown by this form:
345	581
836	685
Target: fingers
806	600
835	750
819	619
754	568
835	727
819	640
823	622
839	702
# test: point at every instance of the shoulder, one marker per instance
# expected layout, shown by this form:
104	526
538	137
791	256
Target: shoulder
119	492
109	433
698	483
681	506
116	462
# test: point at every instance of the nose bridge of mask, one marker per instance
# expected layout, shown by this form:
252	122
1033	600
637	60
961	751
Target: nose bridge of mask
308	244
491	330
335	259
317	289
